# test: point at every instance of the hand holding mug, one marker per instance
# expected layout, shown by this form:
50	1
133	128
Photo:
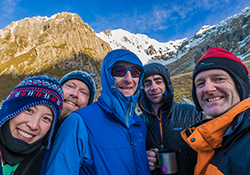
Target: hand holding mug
167	161
152	158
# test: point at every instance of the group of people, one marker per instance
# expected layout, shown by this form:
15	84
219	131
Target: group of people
53	127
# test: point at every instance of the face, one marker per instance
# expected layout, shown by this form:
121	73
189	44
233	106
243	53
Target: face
31	124
154	88
127	84
216	91
76	96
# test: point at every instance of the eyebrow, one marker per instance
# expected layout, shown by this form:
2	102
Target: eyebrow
71	82
158	78
145	81
52	115
80	88
211	75
84	89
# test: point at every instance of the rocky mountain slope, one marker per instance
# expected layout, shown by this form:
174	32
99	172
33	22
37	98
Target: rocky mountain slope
232	34
51	46
62	43
180	56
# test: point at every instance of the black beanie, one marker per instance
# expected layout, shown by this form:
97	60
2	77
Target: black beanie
218	58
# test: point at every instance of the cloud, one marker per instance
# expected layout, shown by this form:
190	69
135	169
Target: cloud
8	7
172	19
137	22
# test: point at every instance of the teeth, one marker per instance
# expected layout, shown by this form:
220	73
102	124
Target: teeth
71	103
213	99
24	134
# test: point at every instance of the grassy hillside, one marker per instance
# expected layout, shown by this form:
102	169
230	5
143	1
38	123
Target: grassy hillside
182	86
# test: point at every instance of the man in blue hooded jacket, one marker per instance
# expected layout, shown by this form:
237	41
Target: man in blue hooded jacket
106	137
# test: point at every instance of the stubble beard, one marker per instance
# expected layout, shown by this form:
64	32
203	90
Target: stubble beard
64	114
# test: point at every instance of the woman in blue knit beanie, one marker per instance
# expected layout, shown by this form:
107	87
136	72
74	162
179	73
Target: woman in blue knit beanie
27	120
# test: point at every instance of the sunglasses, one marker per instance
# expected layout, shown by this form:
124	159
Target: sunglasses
121	71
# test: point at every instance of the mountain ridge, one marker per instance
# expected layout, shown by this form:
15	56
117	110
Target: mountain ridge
62	43
181	55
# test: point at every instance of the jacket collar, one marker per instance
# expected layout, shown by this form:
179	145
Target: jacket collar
135	120
207	137
166	106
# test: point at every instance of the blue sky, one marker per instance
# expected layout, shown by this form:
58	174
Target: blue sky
163	20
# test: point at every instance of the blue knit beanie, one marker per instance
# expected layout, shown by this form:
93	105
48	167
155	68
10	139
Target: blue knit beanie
33	91
30	92
85	78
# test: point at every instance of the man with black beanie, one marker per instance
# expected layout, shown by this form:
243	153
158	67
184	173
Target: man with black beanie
221	88
165	119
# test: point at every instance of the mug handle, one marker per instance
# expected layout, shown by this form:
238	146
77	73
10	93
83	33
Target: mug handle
156	165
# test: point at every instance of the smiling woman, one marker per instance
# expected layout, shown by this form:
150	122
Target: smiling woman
27	121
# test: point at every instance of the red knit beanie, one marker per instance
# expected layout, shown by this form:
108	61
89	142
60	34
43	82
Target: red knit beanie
218	58
218	52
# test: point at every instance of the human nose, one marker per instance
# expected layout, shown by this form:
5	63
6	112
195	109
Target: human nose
153	86
74	93
33	123
209	86
128	77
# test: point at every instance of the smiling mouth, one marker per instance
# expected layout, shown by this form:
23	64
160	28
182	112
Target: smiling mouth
214	99
154	95
125	88
24	134
69	102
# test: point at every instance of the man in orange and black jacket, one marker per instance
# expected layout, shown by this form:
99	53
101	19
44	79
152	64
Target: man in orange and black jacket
165	119
221	89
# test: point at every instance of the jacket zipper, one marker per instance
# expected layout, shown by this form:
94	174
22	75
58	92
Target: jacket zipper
133	149
128	112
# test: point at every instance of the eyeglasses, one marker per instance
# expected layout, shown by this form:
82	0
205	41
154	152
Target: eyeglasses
121	71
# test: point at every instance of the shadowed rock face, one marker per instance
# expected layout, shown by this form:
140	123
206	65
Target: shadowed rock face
233	34
57	45
52	46
32	44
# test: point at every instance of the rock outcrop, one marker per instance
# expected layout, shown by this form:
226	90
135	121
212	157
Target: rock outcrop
232	34
51	46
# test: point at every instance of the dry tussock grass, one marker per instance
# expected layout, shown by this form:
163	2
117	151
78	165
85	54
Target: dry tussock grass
182	86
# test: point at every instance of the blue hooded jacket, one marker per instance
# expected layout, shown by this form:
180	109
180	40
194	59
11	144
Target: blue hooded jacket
111	96
106	137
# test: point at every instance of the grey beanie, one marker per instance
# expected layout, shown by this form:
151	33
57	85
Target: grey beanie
157	68
84	77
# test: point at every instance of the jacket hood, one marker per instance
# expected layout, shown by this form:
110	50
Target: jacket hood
159	69
110	95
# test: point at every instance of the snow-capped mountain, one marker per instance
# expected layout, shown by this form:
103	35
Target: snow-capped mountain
179	56
143	46
63	42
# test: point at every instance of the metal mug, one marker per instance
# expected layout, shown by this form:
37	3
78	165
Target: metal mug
167	161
